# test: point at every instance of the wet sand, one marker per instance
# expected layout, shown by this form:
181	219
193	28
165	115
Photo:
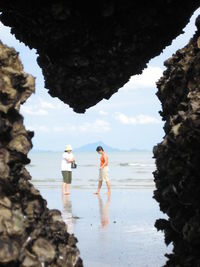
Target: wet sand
117	231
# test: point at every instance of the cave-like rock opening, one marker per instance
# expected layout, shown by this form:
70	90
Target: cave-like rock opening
87	52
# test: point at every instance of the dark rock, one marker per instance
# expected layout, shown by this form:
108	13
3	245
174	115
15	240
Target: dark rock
177	176
9	250
30	233
88	50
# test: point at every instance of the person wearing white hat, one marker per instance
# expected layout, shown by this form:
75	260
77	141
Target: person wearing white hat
67	159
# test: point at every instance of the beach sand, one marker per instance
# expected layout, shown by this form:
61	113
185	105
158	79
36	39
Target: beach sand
117	231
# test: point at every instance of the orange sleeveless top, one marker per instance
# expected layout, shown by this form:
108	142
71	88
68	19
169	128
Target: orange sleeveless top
102	161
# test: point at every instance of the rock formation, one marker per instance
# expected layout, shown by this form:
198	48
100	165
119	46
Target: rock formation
31	235
178	156
89	49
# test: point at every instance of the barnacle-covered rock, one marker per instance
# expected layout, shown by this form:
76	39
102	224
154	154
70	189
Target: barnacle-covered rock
177	176
91	49
9	250
44	250
30	233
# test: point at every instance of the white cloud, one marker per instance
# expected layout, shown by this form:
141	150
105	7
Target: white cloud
34	111
145	119
40	108
48	105
96	126
147	79
125	119
140	119
103	113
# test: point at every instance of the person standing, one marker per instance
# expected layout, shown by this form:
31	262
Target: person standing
67	159
103	170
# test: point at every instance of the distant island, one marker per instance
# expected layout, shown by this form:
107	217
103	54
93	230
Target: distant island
92	147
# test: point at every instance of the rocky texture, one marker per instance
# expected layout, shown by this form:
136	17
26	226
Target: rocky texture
31	235
89	49
178	157
87	52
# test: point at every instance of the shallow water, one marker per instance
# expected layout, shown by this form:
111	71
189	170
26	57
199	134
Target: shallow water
126	169
117	231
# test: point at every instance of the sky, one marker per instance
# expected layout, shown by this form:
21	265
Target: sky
129	119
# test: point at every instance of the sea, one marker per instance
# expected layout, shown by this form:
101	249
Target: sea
116	230
127	170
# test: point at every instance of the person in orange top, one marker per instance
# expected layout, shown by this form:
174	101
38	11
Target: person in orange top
103	170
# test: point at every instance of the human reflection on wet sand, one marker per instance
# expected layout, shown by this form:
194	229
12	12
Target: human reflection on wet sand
67	213
104	211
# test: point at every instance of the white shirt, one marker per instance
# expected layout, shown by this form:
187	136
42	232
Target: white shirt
66	166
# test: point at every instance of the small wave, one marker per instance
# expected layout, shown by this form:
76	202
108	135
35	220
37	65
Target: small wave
123	164
127	186
135	181
140	229
47	180
136	164
88	165
141	165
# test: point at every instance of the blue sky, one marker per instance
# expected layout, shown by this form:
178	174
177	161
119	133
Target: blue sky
129	119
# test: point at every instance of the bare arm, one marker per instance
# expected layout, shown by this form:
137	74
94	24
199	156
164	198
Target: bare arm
70	160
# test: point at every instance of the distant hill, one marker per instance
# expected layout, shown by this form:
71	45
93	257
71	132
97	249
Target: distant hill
92	147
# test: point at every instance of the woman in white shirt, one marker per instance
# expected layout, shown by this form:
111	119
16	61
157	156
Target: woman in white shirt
66	169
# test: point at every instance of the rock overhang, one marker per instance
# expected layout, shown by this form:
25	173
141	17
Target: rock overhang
87	51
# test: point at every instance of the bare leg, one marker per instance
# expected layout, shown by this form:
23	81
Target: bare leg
99	188
108	186
63	188
67	186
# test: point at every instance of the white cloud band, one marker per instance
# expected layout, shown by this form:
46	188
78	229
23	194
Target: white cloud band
147	79
133	120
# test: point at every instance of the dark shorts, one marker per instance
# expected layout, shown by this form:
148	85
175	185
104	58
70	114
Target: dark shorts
67	177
